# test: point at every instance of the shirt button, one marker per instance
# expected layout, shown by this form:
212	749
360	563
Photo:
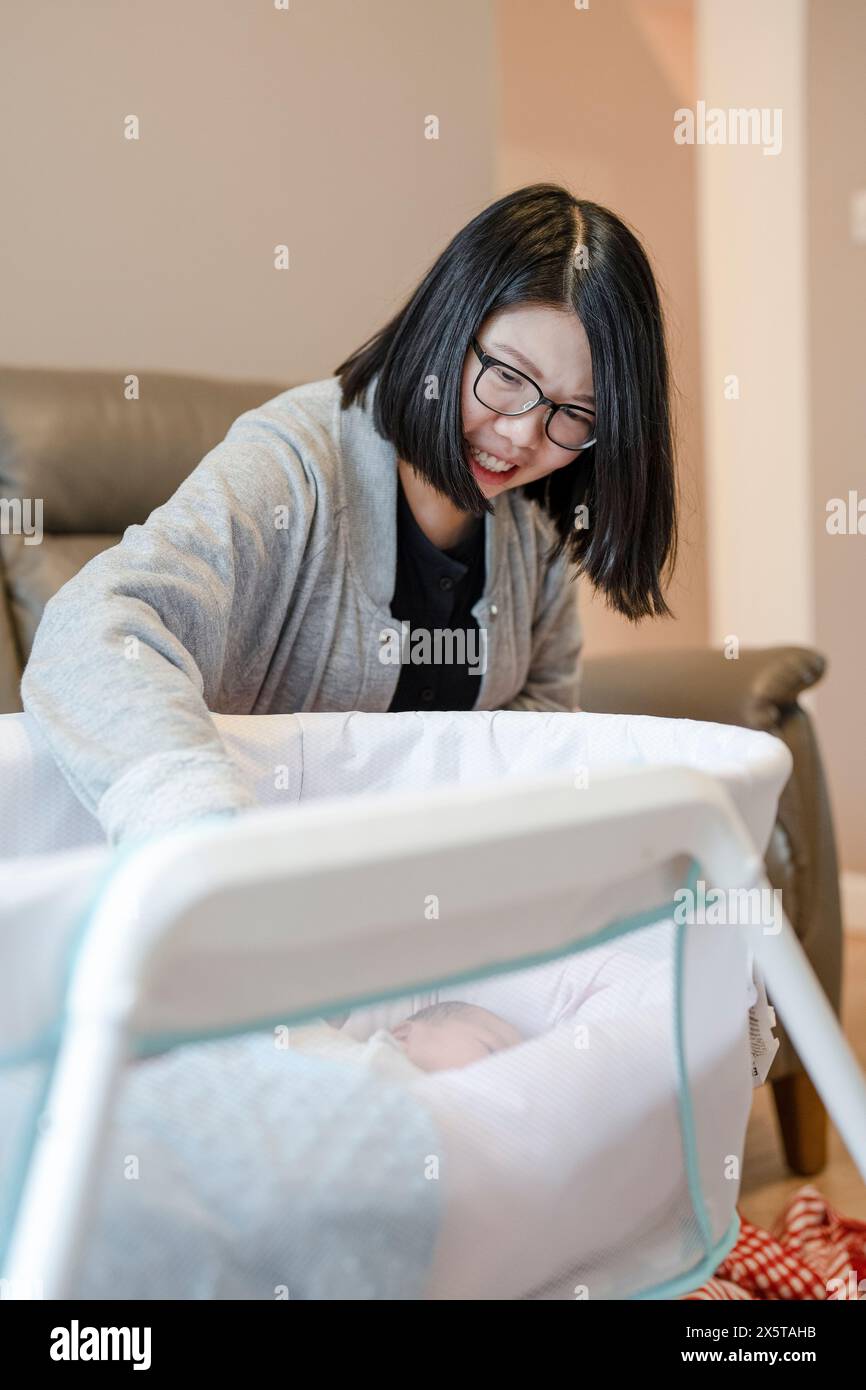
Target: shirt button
493	610
427	695
446	583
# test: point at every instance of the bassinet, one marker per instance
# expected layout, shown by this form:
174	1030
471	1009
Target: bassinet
160	1139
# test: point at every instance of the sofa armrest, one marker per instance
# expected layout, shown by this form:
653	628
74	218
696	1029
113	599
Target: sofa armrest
757	690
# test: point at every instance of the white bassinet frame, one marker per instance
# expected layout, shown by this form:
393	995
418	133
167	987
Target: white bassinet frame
218	894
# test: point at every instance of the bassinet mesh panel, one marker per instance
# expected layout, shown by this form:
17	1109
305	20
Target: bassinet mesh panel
237	1167
237	1170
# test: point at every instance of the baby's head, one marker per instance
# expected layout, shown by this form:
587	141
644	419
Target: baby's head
453	1034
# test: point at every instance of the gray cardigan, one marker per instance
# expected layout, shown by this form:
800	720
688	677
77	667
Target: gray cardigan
263	586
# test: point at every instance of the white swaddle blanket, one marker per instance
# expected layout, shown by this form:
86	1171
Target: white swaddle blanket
380	1053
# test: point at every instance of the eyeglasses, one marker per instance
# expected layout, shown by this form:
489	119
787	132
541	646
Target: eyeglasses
510	392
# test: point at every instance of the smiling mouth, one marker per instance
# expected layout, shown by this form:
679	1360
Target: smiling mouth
490	464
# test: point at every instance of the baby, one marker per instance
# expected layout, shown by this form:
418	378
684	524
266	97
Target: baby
451	1034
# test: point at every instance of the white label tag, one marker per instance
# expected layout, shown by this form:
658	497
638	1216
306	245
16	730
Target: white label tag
762	1021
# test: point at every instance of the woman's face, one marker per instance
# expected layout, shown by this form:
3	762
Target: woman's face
549	345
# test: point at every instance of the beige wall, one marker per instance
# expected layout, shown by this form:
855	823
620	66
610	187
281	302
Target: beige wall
783	299
258	127
837	315
587	99
752	232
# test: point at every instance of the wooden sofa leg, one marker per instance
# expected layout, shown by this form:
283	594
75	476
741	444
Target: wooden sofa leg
803	1123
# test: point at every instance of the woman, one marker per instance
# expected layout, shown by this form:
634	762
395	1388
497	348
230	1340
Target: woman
401	535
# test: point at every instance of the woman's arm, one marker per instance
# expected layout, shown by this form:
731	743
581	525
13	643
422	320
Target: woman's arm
553	682
133	651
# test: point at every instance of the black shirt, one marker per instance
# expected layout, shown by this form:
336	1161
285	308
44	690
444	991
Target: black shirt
435	590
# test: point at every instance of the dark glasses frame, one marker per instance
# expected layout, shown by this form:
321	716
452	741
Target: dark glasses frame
487	361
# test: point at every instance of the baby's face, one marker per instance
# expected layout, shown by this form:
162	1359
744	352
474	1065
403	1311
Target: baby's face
436	1044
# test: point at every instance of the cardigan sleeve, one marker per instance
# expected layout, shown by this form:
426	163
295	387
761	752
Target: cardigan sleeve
553	682
135	650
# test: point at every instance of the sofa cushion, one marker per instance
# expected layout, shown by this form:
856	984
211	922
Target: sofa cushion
33	573
98	461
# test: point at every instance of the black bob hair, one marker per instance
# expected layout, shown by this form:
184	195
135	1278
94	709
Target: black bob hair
521	250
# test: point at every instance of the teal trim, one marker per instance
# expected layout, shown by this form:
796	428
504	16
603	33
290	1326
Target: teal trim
148	1044
713	1254
684	1094
693	1278
46	1048
42	1049
10	1197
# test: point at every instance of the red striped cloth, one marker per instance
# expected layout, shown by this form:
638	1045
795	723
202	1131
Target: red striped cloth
815	1254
